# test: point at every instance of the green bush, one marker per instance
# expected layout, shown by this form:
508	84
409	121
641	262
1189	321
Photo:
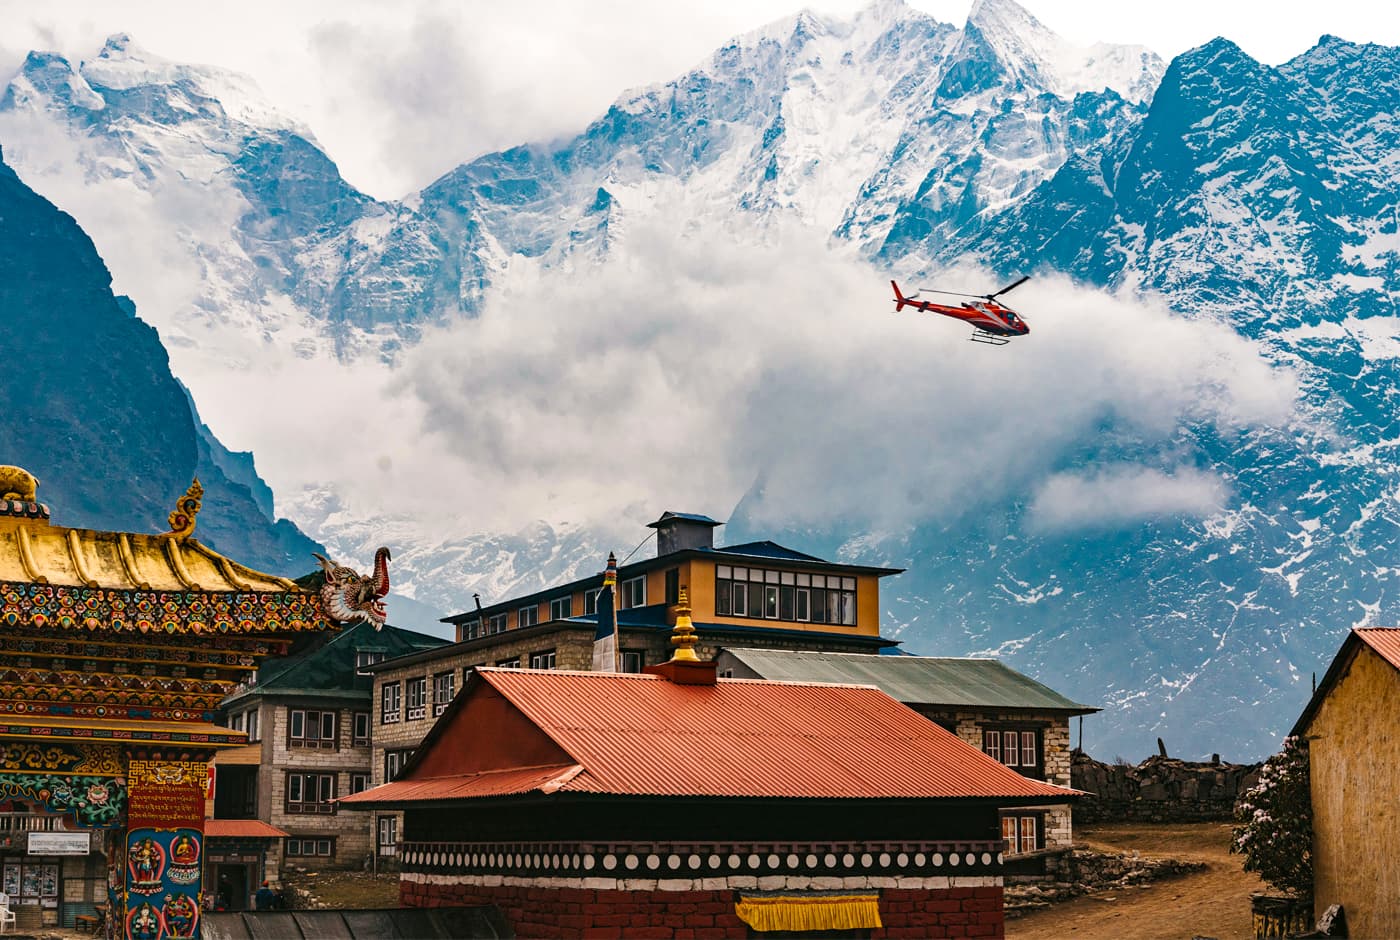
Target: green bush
1274	822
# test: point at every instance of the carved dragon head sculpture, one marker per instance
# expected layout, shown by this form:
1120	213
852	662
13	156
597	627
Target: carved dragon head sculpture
348	596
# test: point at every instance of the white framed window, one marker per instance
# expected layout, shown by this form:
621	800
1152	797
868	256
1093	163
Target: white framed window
365	658
444	687
991	744
388	836
561	608
417	698
542	660
1011	749
496	623
634	592
1022	833
390	701
512	663
590	601
359	782
395	760
360	736
469	630
1017	748
527	616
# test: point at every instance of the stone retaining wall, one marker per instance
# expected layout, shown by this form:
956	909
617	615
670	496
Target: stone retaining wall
1160	789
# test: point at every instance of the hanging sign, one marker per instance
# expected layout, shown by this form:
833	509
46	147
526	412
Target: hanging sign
59	843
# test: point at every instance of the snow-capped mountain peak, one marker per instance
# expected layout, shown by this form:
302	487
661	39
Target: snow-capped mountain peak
1040	58
125	66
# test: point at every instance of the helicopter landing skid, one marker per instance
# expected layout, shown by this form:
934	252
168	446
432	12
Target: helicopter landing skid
991	339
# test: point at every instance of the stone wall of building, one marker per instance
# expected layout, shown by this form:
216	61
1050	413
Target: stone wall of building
349	830
950	907
1160	789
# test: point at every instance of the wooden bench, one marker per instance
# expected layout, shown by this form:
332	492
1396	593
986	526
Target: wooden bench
89	922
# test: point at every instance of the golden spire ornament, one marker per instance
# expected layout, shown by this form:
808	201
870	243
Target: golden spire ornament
684	638
182	519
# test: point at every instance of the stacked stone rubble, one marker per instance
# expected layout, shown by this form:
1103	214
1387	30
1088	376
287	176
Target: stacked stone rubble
1160	789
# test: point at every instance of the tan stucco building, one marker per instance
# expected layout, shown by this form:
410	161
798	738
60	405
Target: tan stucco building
1352	725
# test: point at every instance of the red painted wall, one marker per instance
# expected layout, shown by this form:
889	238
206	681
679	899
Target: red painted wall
701	915
513	742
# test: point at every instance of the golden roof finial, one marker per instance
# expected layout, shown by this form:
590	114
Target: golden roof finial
684	638
182	519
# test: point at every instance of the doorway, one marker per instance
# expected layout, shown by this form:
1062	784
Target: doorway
231	887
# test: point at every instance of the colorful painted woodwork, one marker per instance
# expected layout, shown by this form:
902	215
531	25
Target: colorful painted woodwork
115	650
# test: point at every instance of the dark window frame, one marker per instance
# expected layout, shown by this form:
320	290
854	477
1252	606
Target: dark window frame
297	847
326	793
994	745
314	718
356	738
786	596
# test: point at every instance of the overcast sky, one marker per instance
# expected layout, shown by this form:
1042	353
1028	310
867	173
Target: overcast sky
400	93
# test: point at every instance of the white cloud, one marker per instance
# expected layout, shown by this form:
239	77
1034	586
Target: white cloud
682	371
1124	494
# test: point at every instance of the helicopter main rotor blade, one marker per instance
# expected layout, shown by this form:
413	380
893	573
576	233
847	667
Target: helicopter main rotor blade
1009	288
950	293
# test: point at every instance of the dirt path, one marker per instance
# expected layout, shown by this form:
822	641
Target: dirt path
1213	903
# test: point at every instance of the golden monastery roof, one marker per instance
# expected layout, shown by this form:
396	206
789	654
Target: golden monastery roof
34	550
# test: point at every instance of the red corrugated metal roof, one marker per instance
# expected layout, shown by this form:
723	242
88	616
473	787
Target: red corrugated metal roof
459	786
1384	640
241	829
640	734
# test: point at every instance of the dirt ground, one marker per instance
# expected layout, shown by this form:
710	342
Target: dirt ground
357	890
1212	903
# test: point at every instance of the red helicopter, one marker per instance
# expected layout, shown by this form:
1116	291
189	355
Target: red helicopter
991	322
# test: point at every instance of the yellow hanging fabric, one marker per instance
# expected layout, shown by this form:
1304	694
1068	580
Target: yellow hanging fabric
810	911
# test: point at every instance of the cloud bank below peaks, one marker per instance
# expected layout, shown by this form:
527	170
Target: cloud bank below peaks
693	364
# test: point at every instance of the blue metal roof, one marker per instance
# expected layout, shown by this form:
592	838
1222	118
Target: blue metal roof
767	549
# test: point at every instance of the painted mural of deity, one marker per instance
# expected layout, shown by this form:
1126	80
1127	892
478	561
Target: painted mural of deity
181	915
145	860
143	922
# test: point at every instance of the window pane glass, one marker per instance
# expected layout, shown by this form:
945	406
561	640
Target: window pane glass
786	601
722	571
804	580
1010	749
788	578
1008	832
328	726
818	605
991	743
803	612
741	574
770	602
741	600
771	577
1027	833
294	788
848	584
1028	749
723	595
298	724
819	580
848	609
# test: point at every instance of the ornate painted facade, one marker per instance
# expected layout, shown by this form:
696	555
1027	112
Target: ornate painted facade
115	651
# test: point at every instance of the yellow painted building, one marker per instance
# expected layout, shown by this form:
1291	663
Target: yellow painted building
1352	726
755	586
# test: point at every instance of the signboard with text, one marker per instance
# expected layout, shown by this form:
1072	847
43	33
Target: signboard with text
59	843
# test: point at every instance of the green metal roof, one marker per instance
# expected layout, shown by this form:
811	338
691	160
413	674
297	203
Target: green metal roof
913	680
329	670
